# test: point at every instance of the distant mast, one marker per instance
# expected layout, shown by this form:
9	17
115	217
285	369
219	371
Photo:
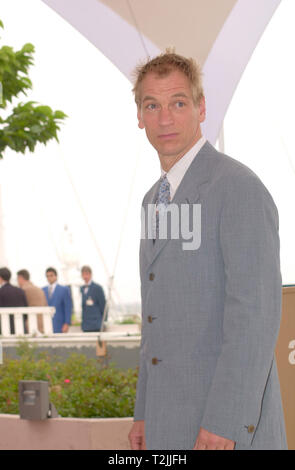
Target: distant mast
71	268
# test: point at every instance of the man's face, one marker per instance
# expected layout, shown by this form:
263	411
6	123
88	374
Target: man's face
51	277
86	276
168	114
20	280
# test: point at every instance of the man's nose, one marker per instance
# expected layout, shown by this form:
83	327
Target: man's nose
165	117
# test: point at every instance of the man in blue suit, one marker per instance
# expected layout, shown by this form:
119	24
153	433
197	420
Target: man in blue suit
59	297
93	302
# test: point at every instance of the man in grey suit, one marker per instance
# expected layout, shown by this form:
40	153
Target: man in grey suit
211	305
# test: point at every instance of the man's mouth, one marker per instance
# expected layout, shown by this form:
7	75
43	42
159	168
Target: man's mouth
171	135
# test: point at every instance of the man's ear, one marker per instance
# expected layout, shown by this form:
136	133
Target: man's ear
202	109
139	117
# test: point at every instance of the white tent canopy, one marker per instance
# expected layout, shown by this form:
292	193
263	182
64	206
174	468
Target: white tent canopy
220	35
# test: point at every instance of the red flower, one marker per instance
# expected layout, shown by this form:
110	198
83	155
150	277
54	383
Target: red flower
67	381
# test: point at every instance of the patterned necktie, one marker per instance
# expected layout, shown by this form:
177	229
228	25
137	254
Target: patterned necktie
163	198
164	191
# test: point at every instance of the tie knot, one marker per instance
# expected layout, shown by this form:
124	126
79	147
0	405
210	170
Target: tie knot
164	180
164	191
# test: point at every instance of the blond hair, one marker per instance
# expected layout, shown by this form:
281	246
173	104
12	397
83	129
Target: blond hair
164	64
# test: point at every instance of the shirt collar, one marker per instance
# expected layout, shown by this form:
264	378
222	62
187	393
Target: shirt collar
53	285
177	172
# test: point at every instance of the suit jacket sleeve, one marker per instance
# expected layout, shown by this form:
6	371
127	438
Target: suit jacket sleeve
249	244
139	408
100	298
67	305
25	300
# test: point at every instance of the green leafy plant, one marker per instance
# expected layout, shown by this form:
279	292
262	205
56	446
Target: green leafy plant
27	123
79	386
129	320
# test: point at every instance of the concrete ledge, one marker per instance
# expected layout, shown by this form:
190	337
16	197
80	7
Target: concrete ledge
64	433
71	339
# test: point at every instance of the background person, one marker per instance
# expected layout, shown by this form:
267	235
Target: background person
93	302
59	297
35	295
11	296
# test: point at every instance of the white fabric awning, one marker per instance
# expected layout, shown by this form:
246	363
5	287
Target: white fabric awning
220	34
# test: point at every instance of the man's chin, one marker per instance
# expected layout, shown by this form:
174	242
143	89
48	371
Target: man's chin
168	150
172	153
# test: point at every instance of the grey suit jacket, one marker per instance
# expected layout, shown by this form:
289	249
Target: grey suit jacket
211	316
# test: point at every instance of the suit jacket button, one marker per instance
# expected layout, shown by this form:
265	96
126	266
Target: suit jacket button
150	319
154	361
151	276
251	429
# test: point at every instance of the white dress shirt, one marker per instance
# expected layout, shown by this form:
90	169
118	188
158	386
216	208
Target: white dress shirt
177	172
86	287
51	289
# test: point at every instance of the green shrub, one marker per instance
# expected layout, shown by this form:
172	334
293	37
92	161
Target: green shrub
129	320
79	387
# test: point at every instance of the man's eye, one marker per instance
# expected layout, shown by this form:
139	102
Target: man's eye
151	106
179	104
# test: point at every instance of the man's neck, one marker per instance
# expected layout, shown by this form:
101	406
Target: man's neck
168	161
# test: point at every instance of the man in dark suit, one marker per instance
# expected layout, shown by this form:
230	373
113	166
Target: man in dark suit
59	297
93	302
10	296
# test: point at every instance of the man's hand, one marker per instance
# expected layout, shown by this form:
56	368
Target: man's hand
136	436
65	328
208	441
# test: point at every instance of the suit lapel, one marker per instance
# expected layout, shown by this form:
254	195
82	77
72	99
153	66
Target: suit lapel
189	191
146	243
89	289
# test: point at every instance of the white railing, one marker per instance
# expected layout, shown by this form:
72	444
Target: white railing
46	337
45	314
